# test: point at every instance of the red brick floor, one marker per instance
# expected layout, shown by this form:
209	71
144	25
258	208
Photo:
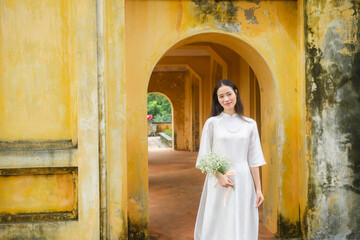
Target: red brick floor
175	190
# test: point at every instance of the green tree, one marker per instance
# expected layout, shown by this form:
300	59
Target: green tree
159	107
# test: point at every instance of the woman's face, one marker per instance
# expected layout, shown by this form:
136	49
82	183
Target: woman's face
226	98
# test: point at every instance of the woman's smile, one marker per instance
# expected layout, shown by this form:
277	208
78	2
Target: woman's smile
227	98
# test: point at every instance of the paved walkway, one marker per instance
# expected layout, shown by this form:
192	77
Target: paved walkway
155	144
175	190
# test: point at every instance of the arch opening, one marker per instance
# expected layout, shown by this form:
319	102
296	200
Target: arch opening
160	120
193	65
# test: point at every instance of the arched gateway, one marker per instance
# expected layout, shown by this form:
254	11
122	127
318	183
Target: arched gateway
272	134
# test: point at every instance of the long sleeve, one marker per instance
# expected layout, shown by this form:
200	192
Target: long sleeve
255	154
205	141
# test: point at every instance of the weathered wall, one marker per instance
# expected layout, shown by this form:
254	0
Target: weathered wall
49	93
332	43
49	131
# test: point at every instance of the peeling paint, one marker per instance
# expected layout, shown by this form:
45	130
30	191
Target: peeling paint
250	15
223	13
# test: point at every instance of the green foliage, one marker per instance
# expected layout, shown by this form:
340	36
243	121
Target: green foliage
168	132
159	107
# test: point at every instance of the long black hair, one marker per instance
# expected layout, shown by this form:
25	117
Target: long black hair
216	108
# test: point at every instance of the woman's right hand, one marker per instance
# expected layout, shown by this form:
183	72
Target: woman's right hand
224	181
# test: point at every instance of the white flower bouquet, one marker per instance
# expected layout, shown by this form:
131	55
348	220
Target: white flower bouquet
212	163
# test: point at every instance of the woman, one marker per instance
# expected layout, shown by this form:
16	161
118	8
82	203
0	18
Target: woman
229	134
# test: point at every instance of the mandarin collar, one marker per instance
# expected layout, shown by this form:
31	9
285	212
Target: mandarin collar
228	115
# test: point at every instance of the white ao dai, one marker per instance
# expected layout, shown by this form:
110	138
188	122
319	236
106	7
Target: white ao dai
238	141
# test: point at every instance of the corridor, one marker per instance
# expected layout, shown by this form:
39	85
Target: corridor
175	190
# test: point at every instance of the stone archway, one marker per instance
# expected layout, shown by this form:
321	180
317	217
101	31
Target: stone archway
272	136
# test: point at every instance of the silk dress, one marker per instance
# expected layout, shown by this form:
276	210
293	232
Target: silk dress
238	141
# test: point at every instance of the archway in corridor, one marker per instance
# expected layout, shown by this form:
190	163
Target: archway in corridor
160	120
190	69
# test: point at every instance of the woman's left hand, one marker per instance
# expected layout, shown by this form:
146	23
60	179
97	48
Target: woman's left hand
259	198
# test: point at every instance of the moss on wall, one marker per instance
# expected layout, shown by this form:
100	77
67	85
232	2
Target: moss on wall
332	30
137	231
288	228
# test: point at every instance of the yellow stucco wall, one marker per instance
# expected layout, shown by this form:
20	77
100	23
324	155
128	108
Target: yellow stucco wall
116	154
54	193
264	34
36	71
49	93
